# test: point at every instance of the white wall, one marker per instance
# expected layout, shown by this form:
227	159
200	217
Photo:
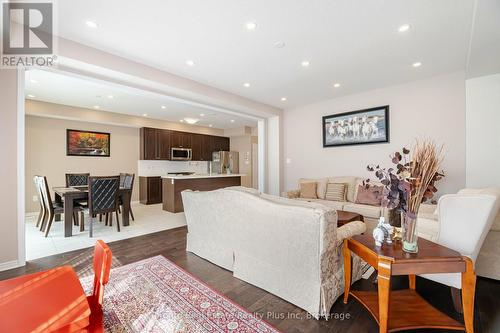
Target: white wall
432	108
483	131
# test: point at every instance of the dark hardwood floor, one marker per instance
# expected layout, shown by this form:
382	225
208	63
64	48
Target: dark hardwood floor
352	317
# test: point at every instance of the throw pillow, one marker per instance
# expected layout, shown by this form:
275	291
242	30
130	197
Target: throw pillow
308	190
369	196
336	192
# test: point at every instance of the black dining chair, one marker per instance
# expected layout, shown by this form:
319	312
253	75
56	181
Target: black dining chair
54	208
127	182
103	198
77	179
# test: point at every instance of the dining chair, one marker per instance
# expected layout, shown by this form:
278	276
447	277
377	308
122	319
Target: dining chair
42	214
102	268
103	198
77	179
54	208
464	221
127	182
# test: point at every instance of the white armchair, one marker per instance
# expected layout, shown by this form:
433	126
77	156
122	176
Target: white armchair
464	222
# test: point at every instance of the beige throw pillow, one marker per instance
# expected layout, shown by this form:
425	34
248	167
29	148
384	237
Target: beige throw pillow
308	190
336	192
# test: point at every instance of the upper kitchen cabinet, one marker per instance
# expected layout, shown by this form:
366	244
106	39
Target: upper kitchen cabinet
220	143
180	139
155	144
202	147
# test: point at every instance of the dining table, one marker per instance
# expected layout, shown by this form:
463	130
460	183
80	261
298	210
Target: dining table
67	196
47	301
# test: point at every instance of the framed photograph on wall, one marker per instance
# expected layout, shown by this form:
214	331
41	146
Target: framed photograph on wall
366	126
87	143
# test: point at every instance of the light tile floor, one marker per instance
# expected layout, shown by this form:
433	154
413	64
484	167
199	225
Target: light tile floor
148	219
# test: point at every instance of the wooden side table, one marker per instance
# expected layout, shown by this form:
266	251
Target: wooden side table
406	309
344	217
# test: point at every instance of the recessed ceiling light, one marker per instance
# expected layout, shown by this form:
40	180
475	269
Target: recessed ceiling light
417	64
96	106
191	121
251	26
91	24
144	114
163	107
336	85
182	120
279	44
404	28
202	115
232	120
246	85
190	63
283	99
31	96
111	96
33	81
210	125
305	63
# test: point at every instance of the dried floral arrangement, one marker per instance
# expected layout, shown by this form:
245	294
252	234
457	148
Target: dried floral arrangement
412	180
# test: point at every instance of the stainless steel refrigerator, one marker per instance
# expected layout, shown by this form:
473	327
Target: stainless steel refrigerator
225	162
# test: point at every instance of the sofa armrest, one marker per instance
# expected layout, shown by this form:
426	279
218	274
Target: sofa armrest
293	194
350	229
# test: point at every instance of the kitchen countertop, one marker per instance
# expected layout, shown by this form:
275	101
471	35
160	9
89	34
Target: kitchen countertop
197	176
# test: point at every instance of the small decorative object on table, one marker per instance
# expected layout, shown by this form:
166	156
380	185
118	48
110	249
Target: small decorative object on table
410	183
382	233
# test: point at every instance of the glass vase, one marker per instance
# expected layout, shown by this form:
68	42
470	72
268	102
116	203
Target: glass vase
409	232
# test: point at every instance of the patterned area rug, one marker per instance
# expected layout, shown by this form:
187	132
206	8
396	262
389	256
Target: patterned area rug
155	295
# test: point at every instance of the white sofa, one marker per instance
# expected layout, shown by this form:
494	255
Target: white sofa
289	248
488	260
371	214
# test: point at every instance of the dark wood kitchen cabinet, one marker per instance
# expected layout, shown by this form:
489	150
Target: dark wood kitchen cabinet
220	143
155	144
150	190
180	139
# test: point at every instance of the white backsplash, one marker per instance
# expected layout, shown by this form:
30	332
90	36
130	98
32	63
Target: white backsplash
160	168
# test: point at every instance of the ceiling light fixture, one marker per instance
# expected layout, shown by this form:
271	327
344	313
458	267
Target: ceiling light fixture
31	96
163	107
305	63
417	64
279	44
232	120
404	28
251	26
190	63
246	85
96	106
202	115
283	99
144	114
91	24
111	96
182	120
210	125
33	81
336	85
191	121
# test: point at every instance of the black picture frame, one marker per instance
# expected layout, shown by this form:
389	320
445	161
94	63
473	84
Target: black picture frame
330	140
87	151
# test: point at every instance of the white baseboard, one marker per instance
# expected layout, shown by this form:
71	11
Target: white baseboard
9	265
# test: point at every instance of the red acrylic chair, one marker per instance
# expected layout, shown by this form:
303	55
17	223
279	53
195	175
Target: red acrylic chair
102	267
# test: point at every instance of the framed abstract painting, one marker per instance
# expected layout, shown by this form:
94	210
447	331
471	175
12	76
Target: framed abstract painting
86	143
366	126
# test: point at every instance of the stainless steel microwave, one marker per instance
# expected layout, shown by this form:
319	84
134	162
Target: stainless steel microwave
181	154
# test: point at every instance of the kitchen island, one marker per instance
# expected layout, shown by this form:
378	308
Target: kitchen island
173	185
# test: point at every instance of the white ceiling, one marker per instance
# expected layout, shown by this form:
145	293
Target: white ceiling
353	42
81	92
